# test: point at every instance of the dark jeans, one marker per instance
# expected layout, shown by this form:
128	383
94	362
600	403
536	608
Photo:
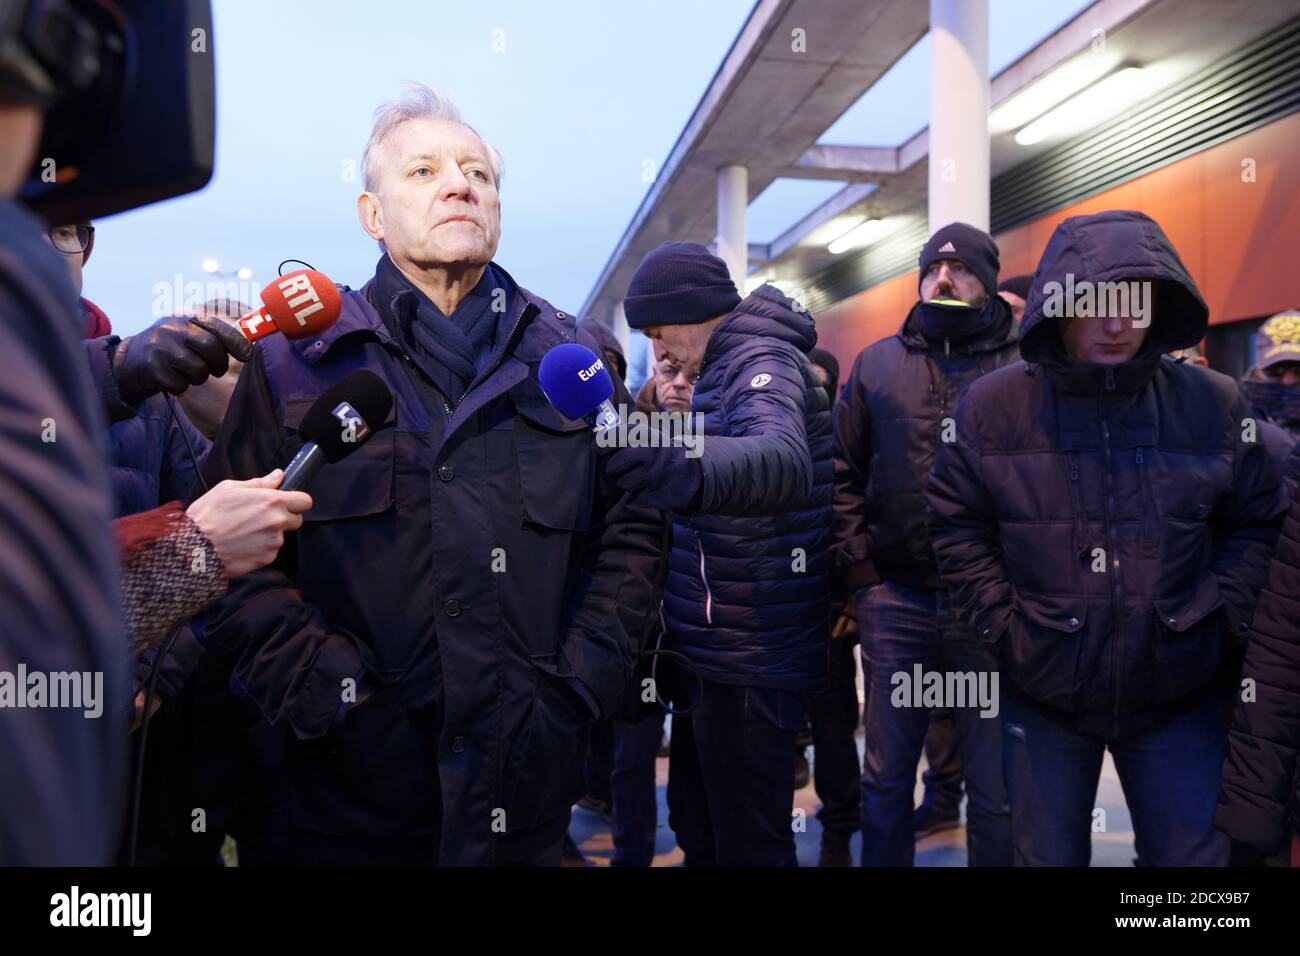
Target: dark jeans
730	787
636	805
1170	777
599	767
942	776
900	628
834	721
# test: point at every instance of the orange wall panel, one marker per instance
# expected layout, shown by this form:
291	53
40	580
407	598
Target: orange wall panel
1238	239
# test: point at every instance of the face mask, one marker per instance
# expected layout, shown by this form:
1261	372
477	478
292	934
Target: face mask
950	319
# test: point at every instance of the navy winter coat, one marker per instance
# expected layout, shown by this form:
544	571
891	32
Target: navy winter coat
468	566
1260	802
748	592
1106	528
897	402
147	458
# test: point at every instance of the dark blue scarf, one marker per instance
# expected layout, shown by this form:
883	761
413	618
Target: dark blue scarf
453	349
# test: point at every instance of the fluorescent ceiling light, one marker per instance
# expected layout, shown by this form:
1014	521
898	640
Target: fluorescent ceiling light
1102	100
860	235
1051	90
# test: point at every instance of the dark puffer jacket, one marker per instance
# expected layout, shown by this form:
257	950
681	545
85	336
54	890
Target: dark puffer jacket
1101	526
1260	779
148	460
896	405
748	592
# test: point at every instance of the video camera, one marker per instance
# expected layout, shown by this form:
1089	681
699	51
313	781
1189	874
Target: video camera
128	91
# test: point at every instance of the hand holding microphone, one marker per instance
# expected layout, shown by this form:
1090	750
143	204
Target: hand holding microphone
576	383
246	520
175	353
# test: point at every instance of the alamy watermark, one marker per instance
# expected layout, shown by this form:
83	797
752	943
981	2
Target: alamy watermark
947	689
1099	300
638	429
80	690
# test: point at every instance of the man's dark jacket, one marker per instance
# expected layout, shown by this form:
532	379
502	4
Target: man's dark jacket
1106	528
466	567
748	592
62	773
1261	777
896	407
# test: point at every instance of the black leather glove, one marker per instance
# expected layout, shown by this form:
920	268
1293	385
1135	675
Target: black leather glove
173	354
663	478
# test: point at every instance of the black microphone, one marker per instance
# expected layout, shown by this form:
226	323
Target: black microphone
337	424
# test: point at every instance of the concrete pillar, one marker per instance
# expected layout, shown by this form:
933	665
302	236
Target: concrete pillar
733	239
959	113
621	330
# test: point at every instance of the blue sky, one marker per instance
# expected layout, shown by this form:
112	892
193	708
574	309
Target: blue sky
577	95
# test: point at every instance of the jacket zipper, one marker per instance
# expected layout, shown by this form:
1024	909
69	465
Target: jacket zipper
1112	552
708	595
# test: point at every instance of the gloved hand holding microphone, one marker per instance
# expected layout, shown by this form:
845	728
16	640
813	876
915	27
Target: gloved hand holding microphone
659	473
177	352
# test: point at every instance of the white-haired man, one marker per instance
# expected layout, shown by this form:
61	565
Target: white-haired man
470	591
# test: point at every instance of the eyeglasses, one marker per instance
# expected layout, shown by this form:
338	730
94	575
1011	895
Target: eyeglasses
72	240
669	373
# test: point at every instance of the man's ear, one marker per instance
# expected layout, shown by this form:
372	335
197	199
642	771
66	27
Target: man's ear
371	215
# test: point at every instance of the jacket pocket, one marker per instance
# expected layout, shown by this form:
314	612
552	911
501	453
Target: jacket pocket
359	485
1188	641
1040	650
544	772
372	775
556	470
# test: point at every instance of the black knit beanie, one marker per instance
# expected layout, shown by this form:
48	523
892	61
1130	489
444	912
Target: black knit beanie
968	245
679	283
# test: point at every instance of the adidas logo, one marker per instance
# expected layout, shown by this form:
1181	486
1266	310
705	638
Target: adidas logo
947	247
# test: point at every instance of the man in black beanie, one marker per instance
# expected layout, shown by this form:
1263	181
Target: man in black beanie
747	600
896	410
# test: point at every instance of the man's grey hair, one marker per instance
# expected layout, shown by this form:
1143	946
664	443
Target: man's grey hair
416	102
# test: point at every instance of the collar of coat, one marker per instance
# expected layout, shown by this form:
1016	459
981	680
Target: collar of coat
541	326
532	327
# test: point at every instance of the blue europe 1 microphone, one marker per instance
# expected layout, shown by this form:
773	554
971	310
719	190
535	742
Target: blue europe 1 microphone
577	383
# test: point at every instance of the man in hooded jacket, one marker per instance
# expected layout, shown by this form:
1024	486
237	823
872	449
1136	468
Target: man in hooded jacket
1105	519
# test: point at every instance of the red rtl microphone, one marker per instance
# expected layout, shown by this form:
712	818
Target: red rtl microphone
298	304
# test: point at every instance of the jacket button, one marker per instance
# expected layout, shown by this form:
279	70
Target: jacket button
1243	627
452	608
1074	622
446	473
457	744
1172	621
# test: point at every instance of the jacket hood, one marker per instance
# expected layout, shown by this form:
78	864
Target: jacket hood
609	342
1110	247
765	311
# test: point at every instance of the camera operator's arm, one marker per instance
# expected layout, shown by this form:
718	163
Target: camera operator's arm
289	661
169	356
